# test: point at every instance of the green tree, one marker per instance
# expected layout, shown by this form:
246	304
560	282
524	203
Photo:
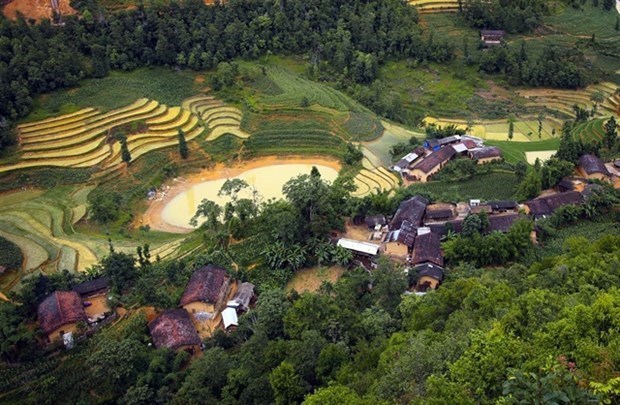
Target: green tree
104	207
337	395
286	384
611	132
125	155
15	336
511	129
183	150
206	378
120	268
210	210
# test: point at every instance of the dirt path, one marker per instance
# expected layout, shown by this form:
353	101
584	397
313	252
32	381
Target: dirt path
153	215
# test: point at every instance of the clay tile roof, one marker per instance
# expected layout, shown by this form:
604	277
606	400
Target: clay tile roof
435	159
470	144
205	285
91	286
60	308
173	329
592	164
502	222
427	248
411	210
546	205
407	233
438	213
485	153
429	270
503	205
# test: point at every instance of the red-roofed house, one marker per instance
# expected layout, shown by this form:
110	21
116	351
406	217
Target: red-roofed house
60	313
432	163
174	330
206	291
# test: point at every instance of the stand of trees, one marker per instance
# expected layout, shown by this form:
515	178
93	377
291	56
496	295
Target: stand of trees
352	36
510	16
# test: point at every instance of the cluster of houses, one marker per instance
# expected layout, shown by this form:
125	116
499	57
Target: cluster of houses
210	301
413	235
423	162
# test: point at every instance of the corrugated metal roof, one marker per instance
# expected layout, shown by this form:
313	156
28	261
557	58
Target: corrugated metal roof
229	317
358	246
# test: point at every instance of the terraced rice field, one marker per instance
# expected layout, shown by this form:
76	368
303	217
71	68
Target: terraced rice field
373	179
590	131
562	101
41	224
220	118
435	6
84	138
524	130
540	155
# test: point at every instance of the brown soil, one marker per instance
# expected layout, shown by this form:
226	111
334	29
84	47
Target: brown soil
312	278
3	297
199	79
36	9
152	216
99	305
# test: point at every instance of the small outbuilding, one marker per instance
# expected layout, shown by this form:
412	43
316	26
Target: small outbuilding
486	154
491	38
427	249
244	297
174	330
92	287
545	206
359	248
229	318
60	313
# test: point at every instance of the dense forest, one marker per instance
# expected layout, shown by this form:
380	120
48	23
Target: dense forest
345	41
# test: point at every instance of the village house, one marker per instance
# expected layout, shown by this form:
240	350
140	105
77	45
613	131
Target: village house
400	241
429	276
491	38
439	213
427	249
486	154
502	222
206	291
431	164
591	167
438	143
503	206
243	298
411	210
542	207
229	319
60	313
174	330
403	165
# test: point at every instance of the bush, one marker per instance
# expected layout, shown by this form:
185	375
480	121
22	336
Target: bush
11	256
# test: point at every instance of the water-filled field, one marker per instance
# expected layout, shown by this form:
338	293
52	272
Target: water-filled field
267	180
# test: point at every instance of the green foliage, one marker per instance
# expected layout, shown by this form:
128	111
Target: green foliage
11	256
104	207
286	384
353	154
125	155
120	268
183	150
512	17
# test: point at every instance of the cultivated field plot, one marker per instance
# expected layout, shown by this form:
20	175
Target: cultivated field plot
374	179
515	151
540	155
86	138
525	130
379	149
435	6
562	101
42	224
590	131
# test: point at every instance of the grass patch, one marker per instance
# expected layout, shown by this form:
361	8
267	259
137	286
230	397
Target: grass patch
490	186
515	151
116	90
11	256
591	230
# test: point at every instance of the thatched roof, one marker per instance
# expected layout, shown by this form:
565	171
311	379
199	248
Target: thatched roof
205	285
60	308
173	329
